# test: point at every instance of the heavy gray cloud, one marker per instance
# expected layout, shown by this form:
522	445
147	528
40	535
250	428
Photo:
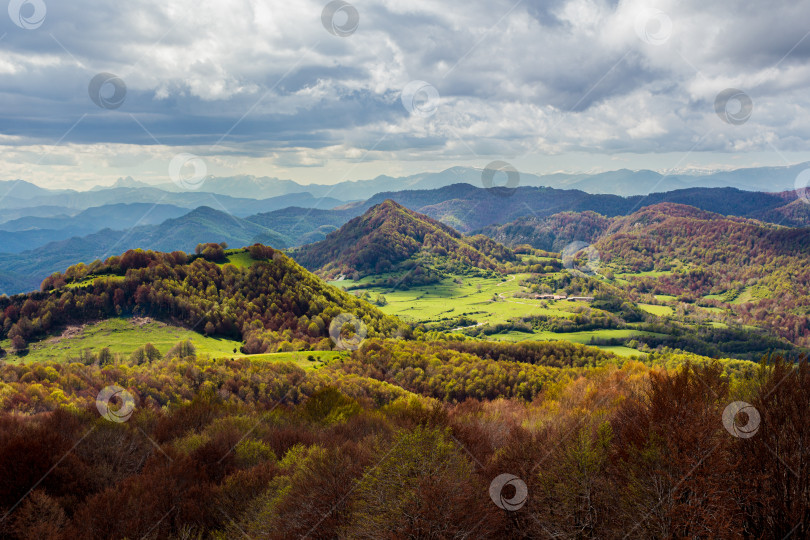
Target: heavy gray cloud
261	86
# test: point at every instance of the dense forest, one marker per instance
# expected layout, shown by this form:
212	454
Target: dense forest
270	305
551	233
406	439
391	238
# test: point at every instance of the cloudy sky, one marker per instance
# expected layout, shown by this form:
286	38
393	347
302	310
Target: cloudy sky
320	92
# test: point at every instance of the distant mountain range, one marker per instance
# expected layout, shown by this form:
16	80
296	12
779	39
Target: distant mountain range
466	208
23	234
624	182
19	194
463	207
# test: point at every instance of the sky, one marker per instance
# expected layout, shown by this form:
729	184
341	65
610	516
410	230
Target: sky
322	92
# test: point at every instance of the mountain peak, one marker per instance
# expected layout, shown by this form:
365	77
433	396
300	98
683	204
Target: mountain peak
204	211
389	203
389	238
129	182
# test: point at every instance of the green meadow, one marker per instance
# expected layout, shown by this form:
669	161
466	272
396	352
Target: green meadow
123	336
474	297
490	301
240	258
658	311
584	337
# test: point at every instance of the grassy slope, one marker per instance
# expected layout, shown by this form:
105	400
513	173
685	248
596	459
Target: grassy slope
122	337
658	311
448	300
239	258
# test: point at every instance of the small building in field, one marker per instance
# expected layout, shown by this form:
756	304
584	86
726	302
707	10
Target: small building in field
549	297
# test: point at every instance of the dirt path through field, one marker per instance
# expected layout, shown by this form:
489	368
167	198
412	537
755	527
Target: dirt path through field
507	281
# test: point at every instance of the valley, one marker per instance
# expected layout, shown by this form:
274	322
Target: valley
265	376
435	281
505	308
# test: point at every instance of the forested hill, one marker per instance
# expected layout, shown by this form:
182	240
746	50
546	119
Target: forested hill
265	301
389	237
551	233
763	269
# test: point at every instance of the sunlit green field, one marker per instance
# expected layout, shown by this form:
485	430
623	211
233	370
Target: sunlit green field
620	350
300	359
659	311
473	297
239	258
584	337
490	301
123	336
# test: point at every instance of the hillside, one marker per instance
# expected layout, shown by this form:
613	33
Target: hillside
205	225
389	238
761	271
271	303
552	233
303	225
756	271
796	213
